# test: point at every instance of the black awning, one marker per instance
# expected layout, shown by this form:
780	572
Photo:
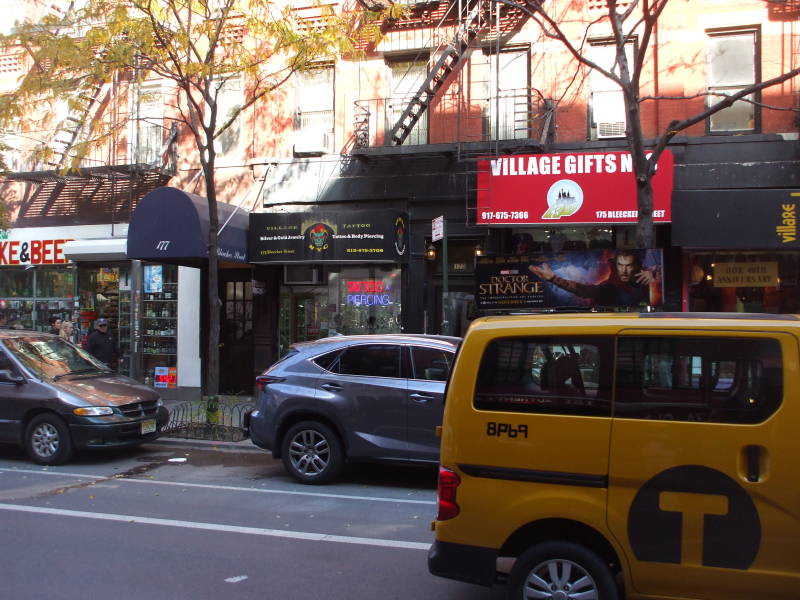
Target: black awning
171	226
750	219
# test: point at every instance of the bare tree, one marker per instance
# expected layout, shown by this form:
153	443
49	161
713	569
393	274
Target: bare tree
634	23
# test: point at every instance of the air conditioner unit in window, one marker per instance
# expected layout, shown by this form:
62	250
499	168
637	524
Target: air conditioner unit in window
313	143
610	129
301	274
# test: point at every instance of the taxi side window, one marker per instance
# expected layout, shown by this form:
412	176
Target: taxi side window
557	375
722	380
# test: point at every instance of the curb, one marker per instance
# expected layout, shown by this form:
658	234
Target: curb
244	446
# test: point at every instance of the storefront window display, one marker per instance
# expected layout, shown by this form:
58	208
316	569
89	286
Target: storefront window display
106	292
30	295
763	282
160	325
539	239
353	300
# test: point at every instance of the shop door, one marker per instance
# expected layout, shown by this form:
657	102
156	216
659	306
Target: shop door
305	324
236	337
302	315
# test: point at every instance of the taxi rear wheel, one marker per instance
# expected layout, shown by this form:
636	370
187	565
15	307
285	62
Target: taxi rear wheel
561	571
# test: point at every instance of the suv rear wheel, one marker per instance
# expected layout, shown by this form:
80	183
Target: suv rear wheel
561	571
312	452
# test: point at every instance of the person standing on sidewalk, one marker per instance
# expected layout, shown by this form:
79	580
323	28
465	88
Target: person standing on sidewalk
66	330
55	325
101	343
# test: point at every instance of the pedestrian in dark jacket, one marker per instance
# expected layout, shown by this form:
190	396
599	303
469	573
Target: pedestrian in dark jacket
100	343
55	325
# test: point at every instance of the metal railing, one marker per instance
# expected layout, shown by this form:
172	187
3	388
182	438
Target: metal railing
509	115
221	420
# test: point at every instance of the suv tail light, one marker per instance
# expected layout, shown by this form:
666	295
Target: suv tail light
448	484
264	380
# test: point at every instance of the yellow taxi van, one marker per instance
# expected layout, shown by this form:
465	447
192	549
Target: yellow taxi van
609	456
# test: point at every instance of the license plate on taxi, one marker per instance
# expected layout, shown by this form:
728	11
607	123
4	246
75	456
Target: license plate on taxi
148	426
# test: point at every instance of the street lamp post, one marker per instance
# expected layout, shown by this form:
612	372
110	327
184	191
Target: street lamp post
445	328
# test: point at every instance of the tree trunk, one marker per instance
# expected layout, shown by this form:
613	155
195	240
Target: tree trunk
644	202
641	171
212	362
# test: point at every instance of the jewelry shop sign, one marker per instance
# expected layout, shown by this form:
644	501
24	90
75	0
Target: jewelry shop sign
347	235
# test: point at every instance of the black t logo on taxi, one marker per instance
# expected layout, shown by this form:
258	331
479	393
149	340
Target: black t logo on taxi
698	502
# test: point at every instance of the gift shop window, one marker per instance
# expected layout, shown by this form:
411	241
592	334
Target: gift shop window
760	282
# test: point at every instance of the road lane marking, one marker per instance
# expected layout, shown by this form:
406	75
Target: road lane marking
229	488
295	535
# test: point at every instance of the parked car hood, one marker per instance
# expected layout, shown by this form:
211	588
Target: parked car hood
108	390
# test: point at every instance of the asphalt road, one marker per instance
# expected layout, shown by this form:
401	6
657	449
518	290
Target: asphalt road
172	521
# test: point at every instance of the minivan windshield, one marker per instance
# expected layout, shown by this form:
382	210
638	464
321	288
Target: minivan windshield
52	357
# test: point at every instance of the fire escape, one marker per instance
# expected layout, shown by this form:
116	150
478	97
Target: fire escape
456	29
474	115
69	186
449	59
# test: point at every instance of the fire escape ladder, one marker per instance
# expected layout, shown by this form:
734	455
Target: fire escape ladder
451	58
70	131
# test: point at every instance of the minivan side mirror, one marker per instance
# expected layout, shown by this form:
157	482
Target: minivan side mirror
8	376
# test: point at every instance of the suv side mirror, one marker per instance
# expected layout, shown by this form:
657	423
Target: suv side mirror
8	376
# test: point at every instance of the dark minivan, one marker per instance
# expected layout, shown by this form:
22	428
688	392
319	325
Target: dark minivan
55	397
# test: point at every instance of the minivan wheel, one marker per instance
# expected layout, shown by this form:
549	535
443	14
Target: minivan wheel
312	452
47	440
561	571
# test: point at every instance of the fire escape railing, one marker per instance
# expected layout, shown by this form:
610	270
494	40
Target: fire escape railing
448	59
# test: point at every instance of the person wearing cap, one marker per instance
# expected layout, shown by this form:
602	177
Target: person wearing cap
101	343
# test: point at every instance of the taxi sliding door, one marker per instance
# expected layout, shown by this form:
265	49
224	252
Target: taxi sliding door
704	473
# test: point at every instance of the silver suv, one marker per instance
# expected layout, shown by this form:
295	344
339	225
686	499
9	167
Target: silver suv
367	397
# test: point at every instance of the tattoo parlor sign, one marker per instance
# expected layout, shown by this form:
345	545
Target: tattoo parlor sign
347	235
580	279
568	188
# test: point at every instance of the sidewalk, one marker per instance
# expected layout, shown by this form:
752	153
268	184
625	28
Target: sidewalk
242	446
231	411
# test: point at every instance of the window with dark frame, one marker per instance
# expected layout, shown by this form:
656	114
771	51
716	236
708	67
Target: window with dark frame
430	364
721	380
369	360
556	375
314	105
732	64
608	118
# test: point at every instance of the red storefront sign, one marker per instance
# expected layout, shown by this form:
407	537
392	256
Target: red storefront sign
32	252
568	188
